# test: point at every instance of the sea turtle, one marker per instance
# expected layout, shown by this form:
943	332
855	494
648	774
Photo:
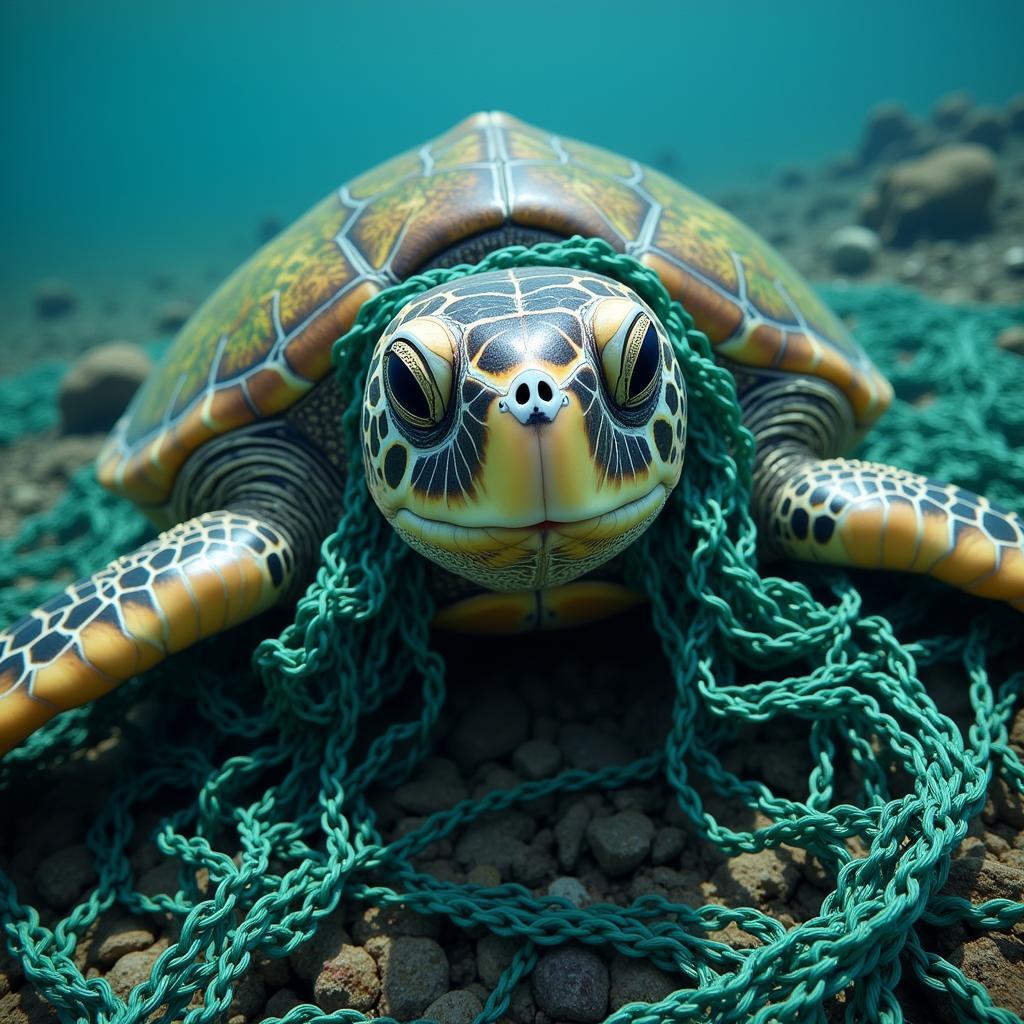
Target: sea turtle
520	428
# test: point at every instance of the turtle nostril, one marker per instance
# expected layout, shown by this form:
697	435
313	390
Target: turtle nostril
523	393
545	392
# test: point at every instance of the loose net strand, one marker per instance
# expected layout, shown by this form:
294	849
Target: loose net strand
282	826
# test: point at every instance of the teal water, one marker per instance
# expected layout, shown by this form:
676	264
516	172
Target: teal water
146	133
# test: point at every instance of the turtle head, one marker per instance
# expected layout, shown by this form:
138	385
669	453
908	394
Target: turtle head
523	426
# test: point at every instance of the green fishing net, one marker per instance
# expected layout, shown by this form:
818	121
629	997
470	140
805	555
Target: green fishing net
285	753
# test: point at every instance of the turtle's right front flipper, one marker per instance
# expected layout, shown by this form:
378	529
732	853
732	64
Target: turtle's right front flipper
197	579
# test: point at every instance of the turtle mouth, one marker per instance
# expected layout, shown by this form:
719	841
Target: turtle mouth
616	522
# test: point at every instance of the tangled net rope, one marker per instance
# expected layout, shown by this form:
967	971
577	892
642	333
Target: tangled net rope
281	822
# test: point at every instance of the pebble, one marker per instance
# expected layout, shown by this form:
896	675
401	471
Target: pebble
668	844
281	1002
537	759
133	969
496	840
120	935
621	841
1011	339
430	795
485	875
249	996
951	109
638	981
592	749
888	125
985	126
393	921
571	889
54	298
757	879
493	954
531	866
458	1007
490	729
348	980
413	973
1013	260
571	984
172	316
569	832
61	877
330	938
99	386
852	249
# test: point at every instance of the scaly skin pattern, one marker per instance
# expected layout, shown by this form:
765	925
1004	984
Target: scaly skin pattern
197	579
263	339
864	514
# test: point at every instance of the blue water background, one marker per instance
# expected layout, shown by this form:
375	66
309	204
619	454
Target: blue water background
146	134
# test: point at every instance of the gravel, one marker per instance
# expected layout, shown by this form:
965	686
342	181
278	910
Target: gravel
458	1007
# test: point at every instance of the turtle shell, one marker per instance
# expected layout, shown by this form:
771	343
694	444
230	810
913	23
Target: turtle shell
263	339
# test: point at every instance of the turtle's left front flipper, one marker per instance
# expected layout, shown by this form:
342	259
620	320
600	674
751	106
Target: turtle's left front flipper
197	579
869	515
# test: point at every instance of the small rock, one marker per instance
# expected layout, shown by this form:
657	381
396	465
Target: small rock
889	127
26	497
26	1007
485	875
496	840
986	126
569	832
951	109
571	984
458	1007
281	1002
947	193
428	795
531	866
249	996
491	729
979	879
393	921
330	938
348	980
592	749
638	981
61	877
759	879
54	298
133	969
571	889
853	249
994	960
537	759
172	316
493	954
668	844
1015	114
1013	260
1012	339
119	936
99	386
414	972
620	842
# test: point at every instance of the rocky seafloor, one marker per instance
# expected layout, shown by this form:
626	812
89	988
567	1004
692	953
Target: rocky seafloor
936	204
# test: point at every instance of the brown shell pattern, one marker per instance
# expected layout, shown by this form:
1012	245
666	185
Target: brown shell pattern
263	339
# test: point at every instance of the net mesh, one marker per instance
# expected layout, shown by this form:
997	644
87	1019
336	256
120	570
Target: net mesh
279	823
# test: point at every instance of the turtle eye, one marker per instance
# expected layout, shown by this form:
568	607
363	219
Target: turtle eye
418	386
627	341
